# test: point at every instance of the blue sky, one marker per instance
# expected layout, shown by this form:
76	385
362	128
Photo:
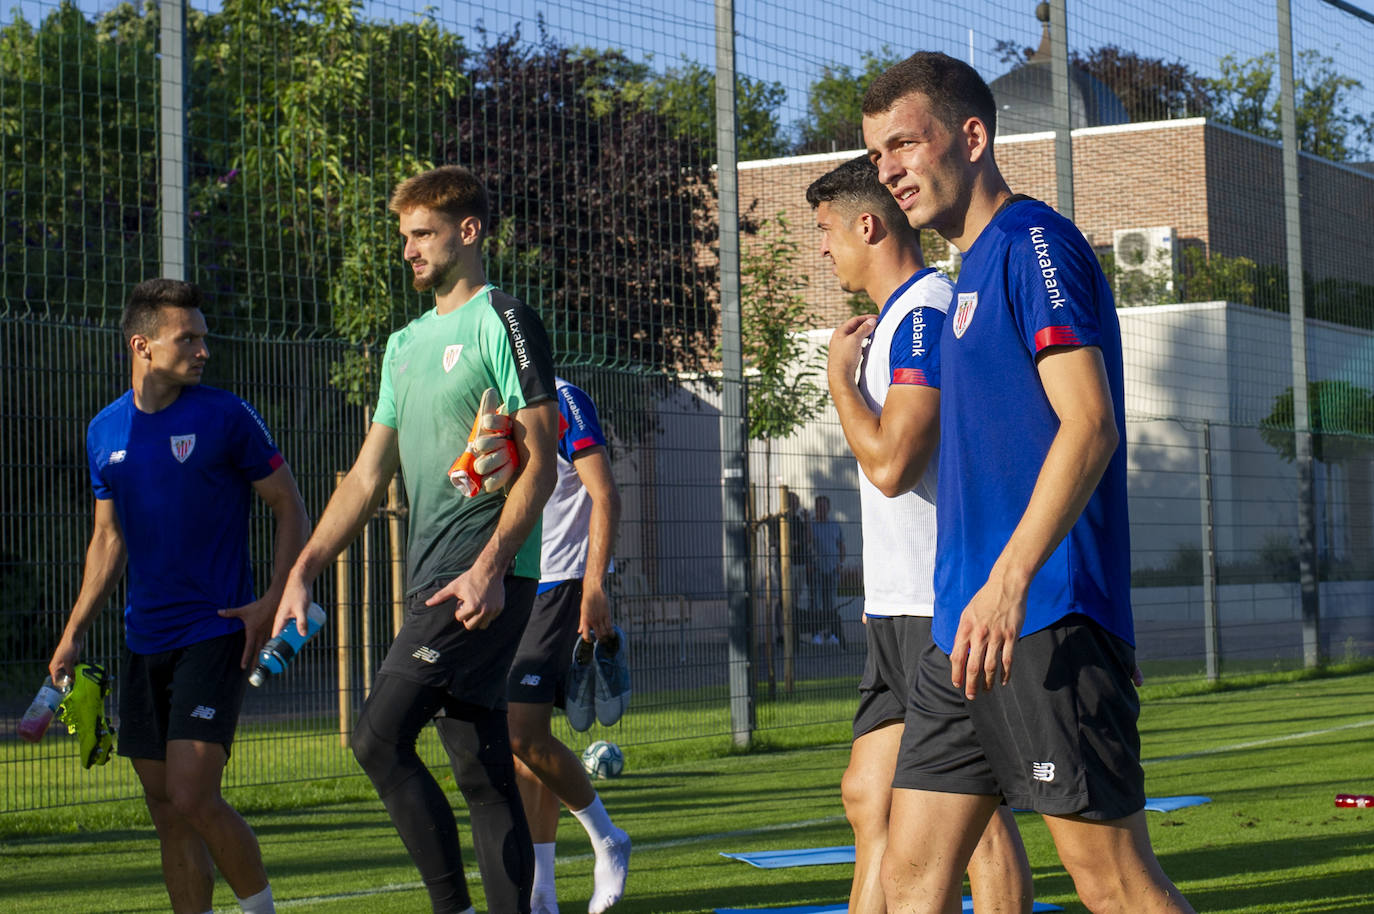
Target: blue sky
788	41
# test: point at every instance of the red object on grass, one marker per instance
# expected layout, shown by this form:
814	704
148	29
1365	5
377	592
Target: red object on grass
1355	800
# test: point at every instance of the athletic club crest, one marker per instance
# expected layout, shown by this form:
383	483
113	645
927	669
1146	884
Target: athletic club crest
182	446
963	314
451	354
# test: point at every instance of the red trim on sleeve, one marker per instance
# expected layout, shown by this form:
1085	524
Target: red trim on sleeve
909	376
580	443
1057	336
276	461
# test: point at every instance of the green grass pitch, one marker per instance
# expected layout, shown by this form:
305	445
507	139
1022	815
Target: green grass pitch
1271	757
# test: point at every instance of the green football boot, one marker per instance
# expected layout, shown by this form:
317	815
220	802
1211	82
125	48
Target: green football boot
83	711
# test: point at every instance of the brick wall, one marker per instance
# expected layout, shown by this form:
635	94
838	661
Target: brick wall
1219	189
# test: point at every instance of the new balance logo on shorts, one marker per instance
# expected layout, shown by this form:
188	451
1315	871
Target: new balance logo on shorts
201	712
1042	771
530	679
427	654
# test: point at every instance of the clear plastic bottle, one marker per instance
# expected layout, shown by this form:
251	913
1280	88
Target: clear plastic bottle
35	721
278	652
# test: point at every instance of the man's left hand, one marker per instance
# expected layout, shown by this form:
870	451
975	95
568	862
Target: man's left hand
257	625
481	597
595	622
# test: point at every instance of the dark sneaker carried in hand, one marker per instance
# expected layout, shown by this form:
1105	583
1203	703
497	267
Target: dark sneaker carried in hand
612	677
83	711
579	704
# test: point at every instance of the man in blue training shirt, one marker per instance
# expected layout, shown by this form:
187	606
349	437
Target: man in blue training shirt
884	377
1032	552
579	528
174	466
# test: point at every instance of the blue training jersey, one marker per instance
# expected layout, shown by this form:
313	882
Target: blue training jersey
181	481
1030	281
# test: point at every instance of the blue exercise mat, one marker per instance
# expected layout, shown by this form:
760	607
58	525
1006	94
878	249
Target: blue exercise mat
1169	804
844	908
809	856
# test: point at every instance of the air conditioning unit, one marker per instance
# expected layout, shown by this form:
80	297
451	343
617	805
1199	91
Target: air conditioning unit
1145	260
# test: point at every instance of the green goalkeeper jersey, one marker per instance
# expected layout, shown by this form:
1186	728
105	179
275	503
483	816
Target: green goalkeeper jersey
433	376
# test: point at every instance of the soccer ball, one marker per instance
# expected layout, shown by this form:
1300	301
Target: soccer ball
603	759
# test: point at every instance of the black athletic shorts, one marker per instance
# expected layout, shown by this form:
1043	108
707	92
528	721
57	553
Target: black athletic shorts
895	644
1060	738
192	692
434	649
539	674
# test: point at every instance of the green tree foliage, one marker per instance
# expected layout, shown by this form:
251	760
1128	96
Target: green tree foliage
79	170
686	96
1340	415
611	209
1246	96
1150	88
784	392
834	104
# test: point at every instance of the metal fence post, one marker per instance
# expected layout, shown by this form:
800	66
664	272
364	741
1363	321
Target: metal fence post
734	442
1063	131
172	47
1297	326
1210	616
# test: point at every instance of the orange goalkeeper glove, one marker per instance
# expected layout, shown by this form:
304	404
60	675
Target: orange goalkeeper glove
489	460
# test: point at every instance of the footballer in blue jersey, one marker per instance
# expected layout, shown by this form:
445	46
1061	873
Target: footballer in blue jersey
884	377
1026	697
174	467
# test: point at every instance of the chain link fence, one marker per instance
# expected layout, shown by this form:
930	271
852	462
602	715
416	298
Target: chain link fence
594	124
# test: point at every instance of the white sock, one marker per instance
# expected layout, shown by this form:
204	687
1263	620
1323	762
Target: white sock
261	903
543	872
596	821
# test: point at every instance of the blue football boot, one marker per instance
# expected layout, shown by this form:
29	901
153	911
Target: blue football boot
612	668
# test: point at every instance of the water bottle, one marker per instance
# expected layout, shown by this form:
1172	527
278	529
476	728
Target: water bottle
35	721
277	653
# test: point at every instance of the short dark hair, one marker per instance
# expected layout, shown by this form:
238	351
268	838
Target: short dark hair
449	189
148	298
854	188
955	90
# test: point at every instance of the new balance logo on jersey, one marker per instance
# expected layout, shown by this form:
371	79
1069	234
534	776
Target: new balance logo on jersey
530	679
182	446
1042	771
427	654
201	712
118	456
451	354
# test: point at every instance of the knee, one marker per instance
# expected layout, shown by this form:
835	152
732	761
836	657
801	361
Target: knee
190	802
866	802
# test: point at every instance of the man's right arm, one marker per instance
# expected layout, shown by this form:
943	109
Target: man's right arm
105	558
893	448
348	511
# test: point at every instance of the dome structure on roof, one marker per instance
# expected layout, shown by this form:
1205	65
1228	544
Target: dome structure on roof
1025	95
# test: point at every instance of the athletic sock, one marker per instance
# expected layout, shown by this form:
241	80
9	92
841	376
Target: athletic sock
544	898
596	821
612	866
261	903
612	848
